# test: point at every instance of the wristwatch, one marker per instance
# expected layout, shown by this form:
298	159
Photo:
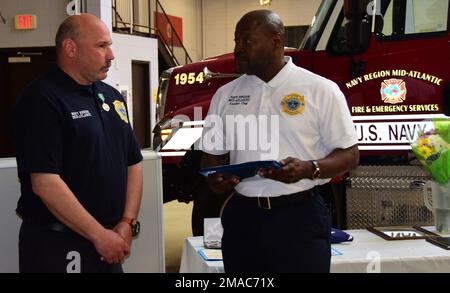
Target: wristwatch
134	224
316	170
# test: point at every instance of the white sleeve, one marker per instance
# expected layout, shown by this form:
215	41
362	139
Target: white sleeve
336	125
213	135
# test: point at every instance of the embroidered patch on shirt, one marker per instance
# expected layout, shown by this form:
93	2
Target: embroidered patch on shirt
121	110
238	100
293	104
81	114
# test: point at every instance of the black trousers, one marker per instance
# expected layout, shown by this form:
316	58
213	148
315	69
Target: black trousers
43	250
292	237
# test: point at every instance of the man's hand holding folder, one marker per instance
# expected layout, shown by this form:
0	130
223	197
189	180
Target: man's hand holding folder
223	179
221	183
292	171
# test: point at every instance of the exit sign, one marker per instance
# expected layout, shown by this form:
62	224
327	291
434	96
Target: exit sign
25	21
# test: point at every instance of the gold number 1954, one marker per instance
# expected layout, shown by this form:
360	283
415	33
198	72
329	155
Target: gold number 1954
188	78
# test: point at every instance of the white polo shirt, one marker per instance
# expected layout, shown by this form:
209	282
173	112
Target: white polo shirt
297	114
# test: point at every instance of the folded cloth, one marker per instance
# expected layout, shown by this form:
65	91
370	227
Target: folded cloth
338	236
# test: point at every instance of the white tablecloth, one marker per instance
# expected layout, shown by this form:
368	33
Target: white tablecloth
368	253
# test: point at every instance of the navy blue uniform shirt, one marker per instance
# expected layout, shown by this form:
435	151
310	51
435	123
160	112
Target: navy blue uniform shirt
62	128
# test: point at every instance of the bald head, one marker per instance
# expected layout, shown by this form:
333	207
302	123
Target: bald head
83	46
259	44
269	20
73	28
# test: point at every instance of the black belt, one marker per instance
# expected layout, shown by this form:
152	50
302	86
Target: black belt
269	203
58	227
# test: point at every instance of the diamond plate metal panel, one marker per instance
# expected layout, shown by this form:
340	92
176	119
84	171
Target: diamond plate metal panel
387	195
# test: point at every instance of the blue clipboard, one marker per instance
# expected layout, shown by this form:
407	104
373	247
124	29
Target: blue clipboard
244	170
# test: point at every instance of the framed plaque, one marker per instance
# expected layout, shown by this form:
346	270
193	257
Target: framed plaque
401	232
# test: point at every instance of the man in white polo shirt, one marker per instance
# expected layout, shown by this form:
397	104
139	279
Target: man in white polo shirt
275	221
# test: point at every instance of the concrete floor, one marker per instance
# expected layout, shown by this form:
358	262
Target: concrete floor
177	227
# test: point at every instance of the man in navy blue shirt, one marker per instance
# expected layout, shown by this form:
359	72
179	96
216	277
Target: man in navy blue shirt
78	161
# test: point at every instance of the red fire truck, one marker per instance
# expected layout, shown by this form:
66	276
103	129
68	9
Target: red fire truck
391	58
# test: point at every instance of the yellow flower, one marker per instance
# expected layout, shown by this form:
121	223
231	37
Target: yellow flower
426	152
424	142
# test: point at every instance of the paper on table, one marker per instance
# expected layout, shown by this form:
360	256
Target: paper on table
216	254
211	254
335	252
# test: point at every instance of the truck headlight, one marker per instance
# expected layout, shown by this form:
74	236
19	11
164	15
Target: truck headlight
165	133
162	93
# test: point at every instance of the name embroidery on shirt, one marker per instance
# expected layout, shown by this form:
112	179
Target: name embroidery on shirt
81	114
293	104
239	100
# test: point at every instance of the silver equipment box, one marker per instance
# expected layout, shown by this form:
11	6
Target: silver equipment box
387	196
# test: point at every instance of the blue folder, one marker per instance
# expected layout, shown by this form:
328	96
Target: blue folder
244	170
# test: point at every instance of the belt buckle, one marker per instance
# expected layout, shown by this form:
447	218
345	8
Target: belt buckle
58	227
267	201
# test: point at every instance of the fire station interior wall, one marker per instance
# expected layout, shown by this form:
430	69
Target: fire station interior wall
133	48
148	249
9	194
101	8
190	12
49	14
221	16
208	25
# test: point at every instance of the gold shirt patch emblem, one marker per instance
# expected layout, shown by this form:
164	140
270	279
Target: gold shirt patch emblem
293	104
121	110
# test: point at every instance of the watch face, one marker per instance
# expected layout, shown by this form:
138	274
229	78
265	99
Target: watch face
315	171
135	229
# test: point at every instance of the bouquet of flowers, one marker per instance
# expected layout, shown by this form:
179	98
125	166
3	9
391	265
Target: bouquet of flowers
432	149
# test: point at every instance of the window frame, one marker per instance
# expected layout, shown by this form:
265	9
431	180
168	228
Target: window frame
398	25
333	37
306	44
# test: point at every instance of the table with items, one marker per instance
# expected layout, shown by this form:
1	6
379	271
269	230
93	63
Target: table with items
368	253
